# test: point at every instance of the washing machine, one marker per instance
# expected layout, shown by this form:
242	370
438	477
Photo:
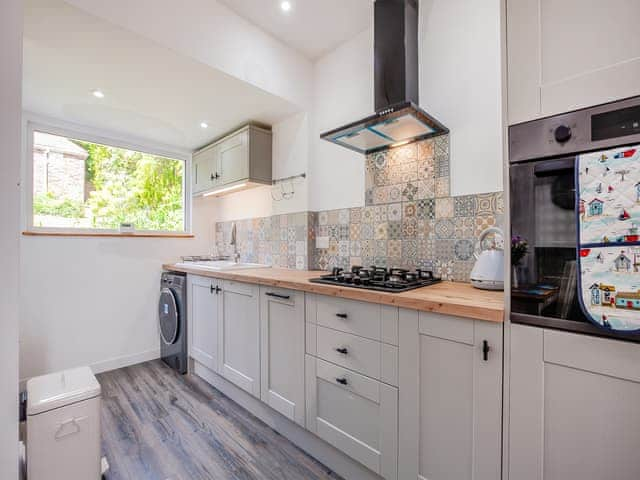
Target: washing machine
172	317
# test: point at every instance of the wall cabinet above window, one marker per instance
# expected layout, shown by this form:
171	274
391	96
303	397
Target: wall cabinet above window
235	162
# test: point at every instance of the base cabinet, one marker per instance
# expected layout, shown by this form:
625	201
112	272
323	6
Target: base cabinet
356	414
409	395
204	312
282	351
239	336
573	406
450	397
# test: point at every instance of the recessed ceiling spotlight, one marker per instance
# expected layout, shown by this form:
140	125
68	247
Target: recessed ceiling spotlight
204	125
285	6
98	93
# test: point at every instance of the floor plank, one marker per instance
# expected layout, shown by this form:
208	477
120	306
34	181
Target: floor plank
159	425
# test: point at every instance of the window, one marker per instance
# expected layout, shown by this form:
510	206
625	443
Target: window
86	186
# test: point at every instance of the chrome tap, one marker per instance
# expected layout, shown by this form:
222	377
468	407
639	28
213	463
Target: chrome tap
234	241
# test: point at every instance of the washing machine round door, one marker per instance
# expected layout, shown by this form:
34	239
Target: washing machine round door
168	316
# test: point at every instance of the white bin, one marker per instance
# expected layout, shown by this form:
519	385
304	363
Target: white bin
63	426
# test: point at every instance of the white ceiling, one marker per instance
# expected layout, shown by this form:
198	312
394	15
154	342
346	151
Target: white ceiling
313	27
151	92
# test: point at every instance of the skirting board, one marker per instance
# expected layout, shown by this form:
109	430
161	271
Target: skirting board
125	361
307	441
114	363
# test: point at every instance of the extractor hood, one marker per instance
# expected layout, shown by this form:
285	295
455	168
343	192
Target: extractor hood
398	119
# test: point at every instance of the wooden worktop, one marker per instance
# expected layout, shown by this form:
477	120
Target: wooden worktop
450	298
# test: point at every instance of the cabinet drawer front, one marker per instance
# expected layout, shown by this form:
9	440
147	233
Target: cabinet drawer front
280	295
377	322
240	288
362	355
359	417
355	383
447	327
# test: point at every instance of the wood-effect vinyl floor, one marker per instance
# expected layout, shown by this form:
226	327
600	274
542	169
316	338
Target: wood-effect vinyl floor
159	425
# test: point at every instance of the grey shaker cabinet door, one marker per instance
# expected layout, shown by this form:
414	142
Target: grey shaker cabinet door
203	318
282	332
454	393
573	406
560	59
203	169
239	336
233	158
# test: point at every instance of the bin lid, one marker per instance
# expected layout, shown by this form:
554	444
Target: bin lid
60	389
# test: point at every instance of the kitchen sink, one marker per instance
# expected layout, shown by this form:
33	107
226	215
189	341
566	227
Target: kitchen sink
218	265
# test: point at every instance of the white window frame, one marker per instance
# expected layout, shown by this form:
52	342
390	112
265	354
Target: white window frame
63	129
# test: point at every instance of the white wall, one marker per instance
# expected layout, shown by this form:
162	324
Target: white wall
10	128
343	93
93	301
461	85
213	34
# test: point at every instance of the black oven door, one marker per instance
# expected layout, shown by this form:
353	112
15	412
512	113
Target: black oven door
544	288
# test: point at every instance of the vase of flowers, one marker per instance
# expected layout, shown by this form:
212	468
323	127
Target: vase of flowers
519	248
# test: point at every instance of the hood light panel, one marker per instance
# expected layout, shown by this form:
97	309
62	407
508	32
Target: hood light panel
390	128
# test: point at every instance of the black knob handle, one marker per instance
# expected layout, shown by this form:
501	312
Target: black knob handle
212	288
343	351
342	381
485	350
341	315
562	134
277	295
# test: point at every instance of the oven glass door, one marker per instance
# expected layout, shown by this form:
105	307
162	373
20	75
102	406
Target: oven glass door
544	289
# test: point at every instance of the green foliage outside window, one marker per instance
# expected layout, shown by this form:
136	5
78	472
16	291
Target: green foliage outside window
123	186
47	204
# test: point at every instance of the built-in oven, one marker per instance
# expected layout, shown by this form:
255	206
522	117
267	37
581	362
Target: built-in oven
543	210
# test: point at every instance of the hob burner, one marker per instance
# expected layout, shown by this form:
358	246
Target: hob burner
378	278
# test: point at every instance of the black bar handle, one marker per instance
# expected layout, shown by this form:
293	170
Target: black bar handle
277	295
215	289
341	315
343	350
342	381
485	350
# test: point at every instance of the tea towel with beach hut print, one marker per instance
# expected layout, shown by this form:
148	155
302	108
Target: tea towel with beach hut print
608	196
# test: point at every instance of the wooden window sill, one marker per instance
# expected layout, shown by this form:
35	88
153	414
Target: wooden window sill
108	234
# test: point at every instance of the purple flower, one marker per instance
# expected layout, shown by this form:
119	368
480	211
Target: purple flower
519	248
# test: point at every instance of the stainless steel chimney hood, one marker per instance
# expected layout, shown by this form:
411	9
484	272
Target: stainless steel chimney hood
398	119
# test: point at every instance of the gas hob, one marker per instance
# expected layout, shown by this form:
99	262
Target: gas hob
392	280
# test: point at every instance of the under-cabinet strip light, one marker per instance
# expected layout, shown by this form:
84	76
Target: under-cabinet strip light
225	189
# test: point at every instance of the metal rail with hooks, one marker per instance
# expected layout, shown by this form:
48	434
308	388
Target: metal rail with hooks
287	179
285	194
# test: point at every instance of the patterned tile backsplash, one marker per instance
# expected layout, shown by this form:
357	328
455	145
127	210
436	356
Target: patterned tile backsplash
409	220
279	240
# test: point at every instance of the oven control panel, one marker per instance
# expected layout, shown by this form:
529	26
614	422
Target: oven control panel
605	126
